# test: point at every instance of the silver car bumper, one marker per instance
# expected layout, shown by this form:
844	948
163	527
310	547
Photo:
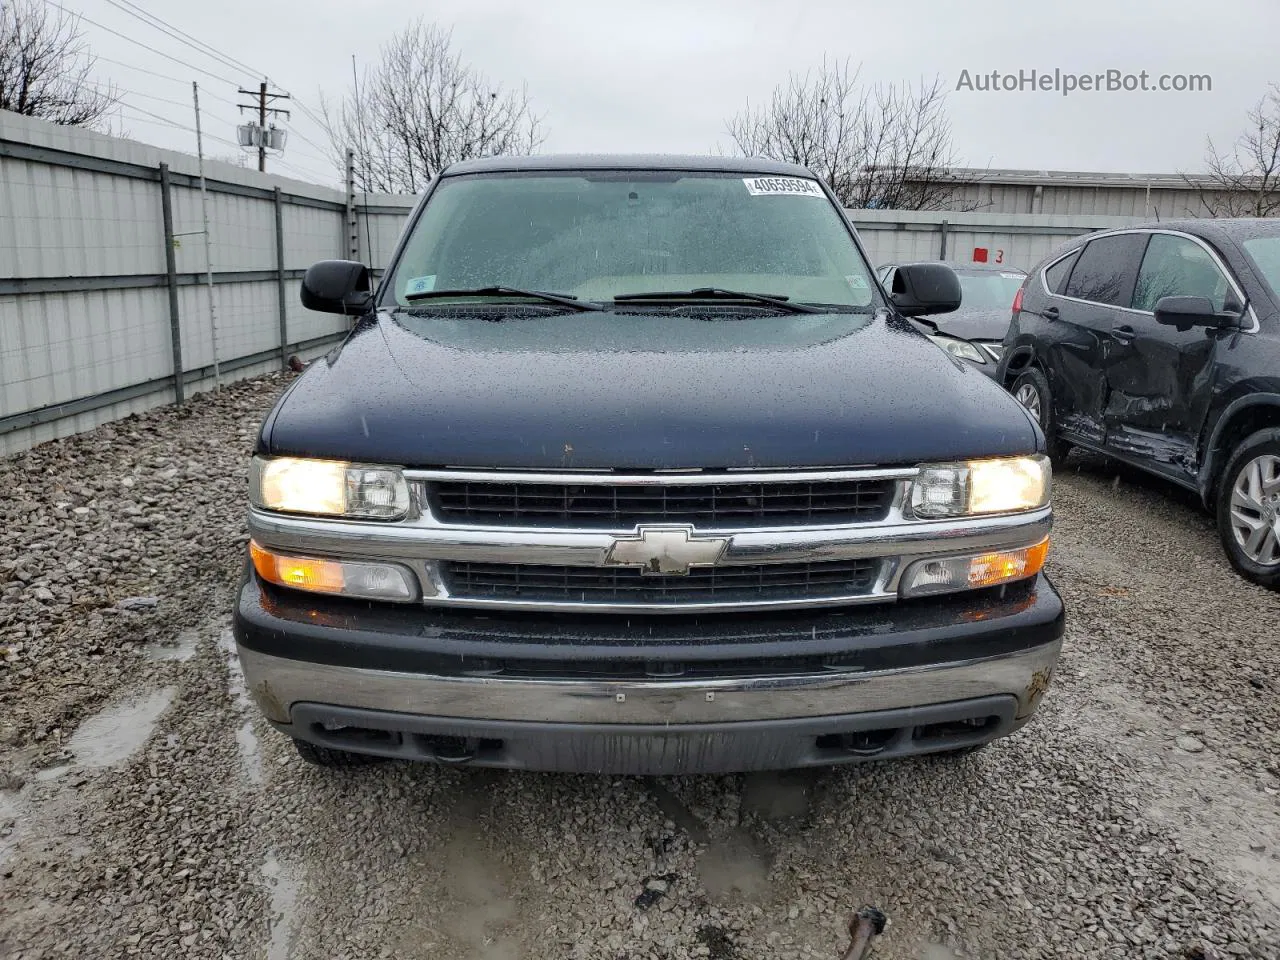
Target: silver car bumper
279	684
653	727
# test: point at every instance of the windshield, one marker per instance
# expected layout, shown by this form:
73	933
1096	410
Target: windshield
989	291
600	236
1265	254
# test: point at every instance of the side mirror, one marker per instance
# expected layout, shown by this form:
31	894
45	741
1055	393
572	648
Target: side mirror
1187	312
921	288
338	286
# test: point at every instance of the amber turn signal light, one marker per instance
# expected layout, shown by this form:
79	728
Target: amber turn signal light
348	578
992	568
974	571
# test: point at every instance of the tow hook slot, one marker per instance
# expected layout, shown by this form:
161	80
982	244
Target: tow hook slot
454	750
655	669
955	728
863	743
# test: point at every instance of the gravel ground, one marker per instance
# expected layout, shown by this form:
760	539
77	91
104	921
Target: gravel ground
146	812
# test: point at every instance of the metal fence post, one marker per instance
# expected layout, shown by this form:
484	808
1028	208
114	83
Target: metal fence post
353	225
171	268
943	254
280	291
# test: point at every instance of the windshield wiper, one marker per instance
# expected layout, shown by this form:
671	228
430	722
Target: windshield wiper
563	299
719	293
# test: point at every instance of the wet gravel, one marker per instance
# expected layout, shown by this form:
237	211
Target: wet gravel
146	812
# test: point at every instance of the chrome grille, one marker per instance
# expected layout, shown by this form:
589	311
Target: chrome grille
538	583
735	503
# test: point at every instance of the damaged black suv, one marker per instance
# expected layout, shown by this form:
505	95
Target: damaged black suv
630	465
1159	345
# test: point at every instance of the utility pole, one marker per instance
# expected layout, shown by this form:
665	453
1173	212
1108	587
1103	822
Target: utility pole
263	96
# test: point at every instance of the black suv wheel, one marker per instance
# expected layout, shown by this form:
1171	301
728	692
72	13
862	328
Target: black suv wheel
328	757
1249	508
1031	389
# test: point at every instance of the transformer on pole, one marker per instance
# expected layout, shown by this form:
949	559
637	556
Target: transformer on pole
258	135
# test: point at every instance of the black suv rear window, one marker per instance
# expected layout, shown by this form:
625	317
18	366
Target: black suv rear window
1056	275
1107	269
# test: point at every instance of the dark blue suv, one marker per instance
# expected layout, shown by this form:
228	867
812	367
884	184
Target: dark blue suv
629	464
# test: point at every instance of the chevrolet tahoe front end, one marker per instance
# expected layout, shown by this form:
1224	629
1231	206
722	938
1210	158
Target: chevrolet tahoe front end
611	524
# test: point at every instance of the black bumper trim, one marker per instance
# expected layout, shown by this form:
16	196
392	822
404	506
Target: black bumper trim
288	624
657	750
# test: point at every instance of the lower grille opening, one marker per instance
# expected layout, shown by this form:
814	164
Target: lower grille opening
358	736
953	729
624	585
864	743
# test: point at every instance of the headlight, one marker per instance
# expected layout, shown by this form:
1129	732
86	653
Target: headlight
329	488
959	348
981	486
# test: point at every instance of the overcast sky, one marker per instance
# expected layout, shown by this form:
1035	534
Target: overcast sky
660	76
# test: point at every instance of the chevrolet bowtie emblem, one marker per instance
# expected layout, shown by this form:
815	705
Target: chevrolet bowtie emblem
666	550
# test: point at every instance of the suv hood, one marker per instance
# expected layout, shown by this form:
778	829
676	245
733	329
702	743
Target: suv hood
644	391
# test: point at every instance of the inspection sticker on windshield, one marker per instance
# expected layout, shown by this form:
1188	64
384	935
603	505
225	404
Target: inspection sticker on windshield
420	285
781	186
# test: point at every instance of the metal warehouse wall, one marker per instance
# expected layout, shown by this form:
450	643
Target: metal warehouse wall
1018	240
1132	200
1153	196
86	330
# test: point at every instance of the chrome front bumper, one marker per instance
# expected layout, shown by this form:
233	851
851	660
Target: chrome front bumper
278	684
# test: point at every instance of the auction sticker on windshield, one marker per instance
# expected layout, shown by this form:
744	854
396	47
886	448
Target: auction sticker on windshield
781	186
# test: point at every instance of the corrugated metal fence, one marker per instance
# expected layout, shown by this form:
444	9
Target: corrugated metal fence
1016	239
97	321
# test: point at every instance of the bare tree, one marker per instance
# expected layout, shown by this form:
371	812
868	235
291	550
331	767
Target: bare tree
886	145
45	66
420	108
1245	182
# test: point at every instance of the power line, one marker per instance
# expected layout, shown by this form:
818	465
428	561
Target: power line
162	76
311	174
307	139
139	43
231	60
152	96
182	36
165	121
311	114
200	46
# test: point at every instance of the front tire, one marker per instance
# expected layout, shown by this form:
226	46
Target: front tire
1031	389
1249	509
